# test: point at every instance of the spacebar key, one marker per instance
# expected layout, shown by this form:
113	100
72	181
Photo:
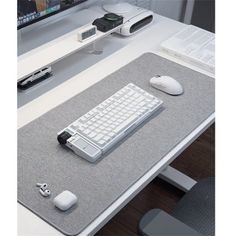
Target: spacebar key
126	123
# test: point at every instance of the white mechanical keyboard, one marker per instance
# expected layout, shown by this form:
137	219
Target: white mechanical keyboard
94	133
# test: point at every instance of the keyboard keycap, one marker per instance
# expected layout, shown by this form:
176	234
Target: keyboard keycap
98	137
101	142
87	131
106	138
92	134
125	123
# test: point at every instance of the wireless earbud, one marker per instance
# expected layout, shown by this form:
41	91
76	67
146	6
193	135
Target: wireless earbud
42	186
45	193
43	189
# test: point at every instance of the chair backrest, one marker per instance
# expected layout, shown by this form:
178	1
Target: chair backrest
197	207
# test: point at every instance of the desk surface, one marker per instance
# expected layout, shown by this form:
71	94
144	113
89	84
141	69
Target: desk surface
30	224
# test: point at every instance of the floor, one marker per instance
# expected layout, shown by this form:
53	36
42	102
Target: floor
197	161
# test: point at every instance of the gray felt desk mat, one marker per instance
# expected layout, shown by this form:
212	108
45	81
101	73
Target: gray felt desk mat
42	159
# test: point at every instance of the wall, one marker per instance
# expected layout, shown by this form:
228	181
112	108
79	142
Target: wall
169	8
204	14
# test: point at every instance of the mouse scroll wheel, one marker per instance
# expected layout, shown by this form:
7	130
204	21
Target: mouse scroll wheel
157	76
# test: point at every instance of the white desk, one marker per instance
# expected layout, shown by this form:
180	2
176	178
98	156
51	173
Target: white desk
146	41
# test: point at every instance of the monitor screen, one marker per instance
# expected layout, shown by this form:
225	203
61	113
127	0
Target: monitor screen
31	11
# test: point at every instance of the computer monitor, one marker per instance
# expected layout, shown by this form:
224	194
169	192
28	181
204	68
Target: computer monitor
31	11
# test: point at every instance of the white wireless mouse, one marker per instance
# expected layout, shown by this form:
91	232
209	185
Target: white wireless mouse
167	84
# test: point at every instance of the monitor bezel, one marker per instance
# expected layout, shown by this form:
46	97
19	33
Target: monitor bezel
49	15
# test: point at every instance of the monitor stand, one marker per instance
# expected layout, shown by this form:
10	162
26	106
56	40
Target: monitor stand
94	49
118	8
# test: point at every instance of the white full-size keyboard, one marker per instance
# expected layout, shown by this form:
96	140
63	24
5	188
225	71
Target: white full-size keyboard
91	135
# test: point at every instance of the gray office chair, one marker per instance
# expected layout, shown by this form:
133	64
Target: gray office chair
193	215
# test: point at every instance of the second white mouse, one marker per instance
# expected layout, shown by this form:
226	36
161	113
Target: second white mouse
167	84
